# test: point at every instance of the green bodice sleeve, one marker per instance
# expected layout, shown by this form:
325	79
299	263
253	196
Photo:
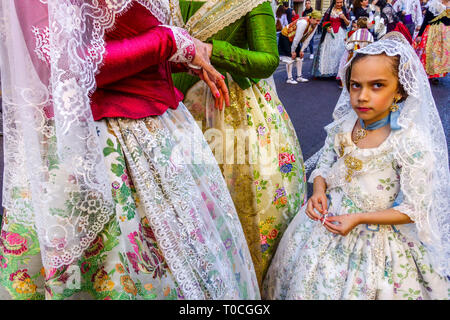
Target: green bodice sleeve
247	49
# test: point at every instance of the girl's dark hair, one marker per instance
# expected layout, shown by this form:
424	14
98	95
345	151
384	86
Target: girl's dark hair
381	3
395	63
357	4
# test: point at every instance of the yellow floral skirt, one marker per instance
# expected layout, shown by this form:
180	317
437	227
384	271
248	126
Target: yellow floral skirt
259	154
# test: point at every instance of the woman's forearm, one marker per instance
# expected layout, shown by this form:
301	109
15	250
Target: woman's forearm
388	217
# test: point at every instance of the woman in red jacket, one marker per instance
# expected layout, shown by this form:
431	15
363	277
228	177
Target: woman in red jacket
111	192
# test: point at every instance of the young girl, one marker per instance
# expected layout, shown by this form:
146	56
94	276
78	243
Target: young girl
376	226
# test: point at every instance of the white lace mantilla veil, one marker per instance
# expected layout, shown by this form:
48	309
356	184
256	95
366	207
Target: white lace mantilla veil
55	177
436	7
428	202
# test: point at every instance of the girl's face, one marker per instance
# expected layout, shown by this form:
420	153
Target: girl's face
365	3
339	4
373	87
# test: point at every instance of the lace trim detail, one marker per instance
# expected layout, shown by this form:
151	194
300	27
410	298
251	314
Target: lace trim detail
215	15
160	9
185	46
42	49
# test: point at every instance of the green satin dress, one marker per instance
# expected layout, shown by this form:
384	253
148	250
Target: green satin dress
267	192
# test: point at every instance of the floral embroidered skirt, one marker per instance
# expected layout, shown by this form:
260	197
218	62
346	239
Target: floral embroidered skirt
175	233
434	50
371	262
258	151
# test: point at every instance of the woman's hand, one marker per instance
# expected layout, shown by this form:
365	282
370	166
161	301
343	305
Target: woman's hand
346	223
317	201
206	72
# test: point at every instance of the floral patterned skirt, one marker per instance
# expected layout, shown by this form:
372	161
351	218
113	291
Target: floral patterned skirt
175	233
371	262
434	50
258	151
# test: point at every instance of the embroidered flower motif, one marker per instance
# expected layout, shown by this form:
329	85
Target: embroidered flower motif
261	130
273	234
263	239
116	185
228	243
286	168
128	285
22	282
13	243
101	281
264	247
267	97
95	248
283	158
280	108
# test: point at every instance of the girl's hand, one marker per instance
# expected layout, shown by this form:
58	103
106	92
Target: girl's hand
317	201
346	223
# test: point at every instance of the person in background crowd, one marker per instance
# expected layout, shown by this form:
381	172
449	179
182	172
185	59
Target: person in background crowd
356	39
410	13
307	11
433	40
281	18
294	40
391	20
332	42
288	11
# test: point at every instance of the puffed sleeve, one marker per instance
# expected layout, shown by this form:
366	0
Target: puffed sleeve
261	59
126	57
415	163
327	158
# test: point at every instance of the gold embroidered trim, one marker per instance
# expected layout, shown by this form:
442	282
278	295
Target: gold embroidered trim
214	15
352	164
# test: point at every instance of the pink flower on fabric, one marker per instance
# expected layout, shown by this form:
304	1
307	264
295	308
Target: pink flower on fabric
263	239
292	158
283	158
358	280
267	97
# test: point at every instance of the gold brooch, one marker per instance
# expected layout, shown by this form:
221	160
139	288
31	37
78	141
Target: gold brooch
360	134
352	165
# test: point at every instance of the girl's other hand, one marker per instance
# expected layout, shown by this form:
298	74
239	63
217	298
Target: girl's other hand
345	223
317	201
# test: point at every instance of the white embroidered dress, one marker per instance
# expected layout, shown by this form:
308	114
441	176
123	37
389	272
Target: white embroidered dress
372	261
